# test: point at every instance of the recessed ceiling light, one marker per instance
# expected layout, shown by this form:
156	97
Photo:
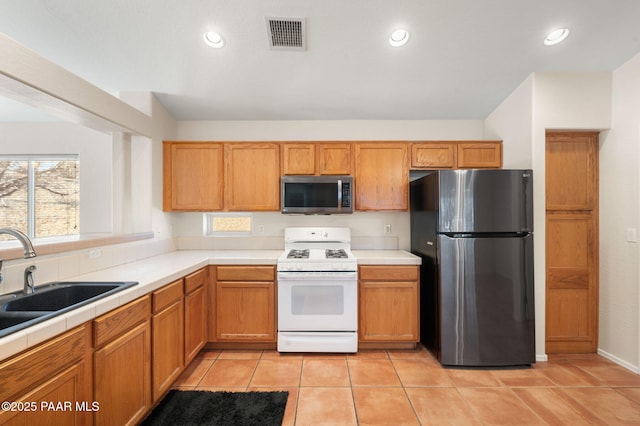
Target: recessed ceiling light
399	38
556	36
213	39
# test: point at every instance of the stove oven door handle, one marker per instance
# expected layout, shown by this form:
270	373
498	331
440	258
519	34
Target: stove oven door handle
317	276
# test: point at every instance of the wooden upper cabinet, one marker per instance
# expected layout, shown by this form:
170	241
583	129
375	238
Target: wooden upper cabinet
298	158
193	176
334	159
316	158
252	176
382	176
485	154
427	155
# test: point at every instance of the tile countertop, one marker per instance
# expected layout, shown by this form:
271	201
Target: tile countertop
156	272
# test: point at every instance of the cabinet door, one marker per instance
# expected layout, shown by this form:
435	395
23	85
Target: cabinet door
193	176
334	159
436	155
33	378
65	404
245	311
168	347
480	155
389	304
382	176
298	158
252	177
195	321
122	378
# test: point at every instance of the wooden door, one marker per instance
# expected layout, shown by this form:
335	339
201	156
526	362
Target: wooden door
571	242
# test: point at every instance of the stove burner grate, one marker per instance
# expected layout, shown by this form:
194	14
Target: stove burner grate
335	254
298	254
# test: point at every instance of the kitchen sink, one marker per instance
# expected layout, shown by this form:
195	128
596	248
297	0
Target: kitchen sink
10	319
59	297
19	310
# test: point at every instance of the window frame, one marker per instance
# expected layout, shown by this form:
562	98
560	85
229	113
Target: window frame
31	159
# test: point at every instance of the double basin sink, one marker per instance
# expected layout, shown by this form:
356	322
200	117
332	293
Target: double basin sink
19	310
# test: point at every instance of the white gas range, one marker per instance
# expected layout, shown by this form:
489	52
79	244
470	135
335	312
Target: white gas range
317	291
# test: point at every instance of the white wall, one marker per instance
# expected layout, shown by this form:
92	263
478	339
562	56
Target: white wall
511	122
146	170
330	130
619	210
95	151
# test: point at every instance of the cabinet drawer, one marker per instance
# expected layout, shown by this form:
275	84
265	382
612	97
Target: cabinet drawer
167	295
29	369
195	280
246	273
116	322
394	273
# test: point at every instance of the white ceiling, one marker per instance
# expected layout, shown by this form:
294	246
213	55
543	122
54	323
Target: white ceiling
463	58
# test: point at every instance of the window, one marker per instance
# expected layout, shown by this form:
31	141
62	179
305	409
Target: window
227	224
40	195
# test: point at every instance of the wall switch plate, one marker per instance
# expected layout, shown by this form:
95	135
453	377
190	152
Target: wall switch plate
632	235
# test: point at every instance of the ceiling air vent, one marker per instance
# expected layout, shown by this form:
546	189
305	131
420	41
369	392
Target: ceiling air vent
286	33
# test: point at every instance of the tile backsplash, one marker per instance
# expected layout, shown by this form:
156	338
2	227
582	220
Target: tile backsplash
62	266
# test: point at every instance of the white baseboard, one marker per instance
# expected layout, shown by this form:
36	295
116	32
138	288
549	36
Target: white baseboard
542	358
619	361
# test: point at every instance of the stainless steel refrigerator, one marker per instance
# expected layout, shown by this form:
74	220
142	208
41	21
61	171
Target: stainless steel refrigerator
473	230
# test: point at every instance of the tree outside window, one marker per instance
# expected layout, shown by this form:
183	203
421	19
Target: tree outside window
40	195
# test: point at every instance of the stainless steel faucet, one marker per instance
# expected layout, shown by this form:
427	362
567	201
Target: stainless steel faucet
29	252
24	240
28	280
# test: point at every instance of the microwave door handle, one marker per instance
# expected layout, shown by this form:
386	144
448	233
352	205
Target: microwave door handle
339	194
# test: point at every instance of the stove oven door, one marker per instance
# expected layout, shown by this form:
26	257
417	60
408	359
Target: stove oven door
317	301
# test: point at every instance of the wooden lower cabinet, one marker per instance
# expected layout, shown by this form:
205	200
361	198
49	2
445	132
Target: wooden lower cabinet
244	308
389	298
195	314
122	364
167	329
31	382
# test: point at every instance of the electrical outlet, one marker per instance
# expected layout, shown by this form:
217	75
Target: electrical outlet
261	229
95	253
387	229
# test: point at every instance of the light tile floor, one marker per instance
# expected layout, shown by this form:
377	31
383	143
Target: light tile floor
409	387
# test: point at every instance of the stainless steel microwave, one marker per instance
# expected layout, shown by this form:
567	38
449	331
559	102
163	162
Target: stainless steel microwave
316	194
